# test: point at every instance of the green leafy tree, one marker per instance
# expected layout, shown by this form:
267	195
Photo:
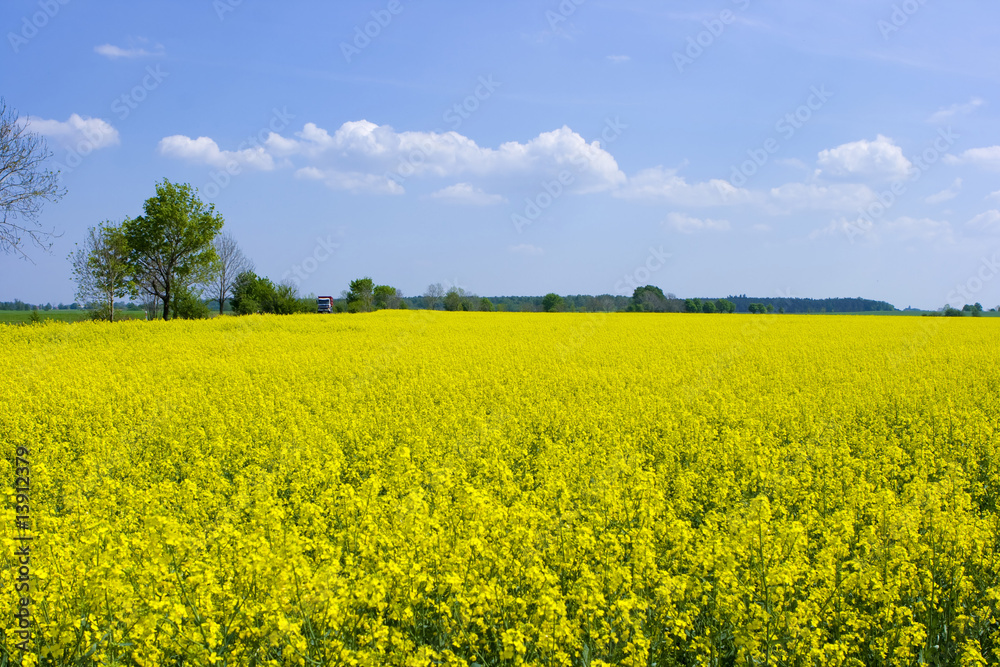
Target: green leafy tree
101	268
693	305
725	306
708	307
361	296
387	297
552	303
248	292
485	305
453	299
172	241
188	304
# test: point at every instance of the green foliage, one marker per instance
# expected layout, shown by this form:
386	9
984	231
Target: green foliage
952	312
387	297
254	294
692	305
171	243
249	292
708	307
725	306
485	305
758	308
457	299
188	305
34	317
552	303
361	296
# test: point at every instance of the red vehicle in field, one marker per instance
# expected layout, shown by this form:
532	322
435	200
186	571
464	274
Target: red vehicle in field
324	304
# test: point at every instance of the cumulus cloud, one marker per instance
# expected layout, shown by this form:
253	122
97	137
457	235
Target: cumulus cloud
77	131
353	181
985	222
526	249
946	195
659	183
114	52
205	151
947	113
380	153
988	157
880	160
464	193
687	224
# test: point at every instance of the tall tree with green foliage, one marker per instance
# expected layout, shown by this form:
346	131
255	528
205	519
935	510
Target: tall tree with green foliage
552	303
387	297
101	268
361	296
172	241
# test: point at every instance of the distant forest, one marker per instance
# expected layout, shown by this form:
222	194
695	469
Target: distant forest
582	304
607	302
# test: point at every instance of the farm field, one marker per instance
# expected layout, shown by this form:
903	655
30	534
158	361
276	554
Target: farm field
428	488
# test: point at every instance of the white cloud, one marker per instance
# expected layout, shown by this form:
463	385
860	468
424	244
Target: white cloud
994	195
354	181
113	52
380	153
464	193
880	160
810	196
619	59
761	228
986	222
945	114
665	184
687	224
946	195
206	151
988	157
526	249
77	132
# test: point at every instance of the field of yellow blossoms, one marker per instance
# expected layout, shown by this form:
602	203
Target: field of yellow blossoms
417	488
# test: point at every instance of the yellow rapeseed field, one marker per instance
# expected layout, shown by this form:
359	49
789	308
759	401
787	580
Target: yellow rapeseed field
416	488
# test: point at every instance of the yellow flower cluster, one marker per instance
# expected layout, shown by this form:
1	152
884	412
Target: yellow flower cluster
506	489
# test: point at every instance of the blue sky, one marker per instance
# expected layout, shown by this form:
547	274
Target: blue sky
812	149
